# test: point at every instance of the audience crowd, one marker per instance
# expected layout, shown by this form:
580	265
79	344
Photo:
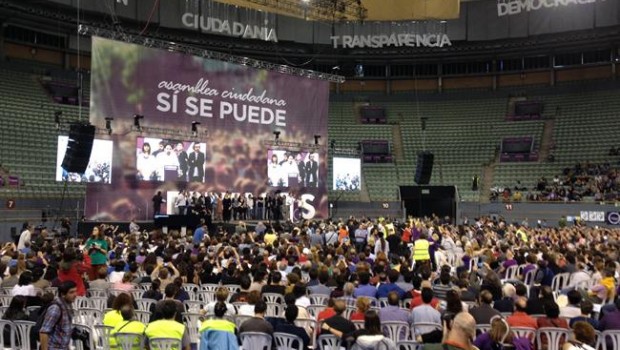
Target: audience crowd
367	283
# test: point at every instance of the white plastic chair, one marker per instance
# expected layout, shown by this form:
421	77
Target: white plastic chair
209	287
79	345
358	324
145	304
129	341
553	336
614	336
255	341
87	316
165	344
101	336
273	310
315	310
408	345
206	296
143	316
145	286
560	281
273	298
318	299
192	322
98	293
482	328
285	341
97	303
232	288
12	332
309	325
396	330
416	328
23	333
511	273
193	306
525	332
328	342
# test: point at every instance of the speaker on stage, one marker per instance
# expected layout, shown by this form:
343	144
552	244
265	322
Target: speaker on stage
79	147
424	168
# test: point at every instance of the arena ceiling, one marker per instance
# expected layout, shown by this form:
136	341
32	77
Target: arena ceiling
352	10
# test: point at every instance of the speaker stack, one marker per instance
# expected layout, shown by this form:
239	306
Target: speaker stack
424	168
79	147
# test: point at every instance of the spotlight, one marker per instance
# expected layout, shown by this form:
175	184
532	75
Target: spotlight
57	115
108	125
195	128
136	121
316	139
277	135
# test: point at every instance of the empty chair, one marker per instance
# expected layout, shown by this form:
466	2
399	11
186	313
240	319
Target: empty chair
97	293
102	335
286	341
87	316
129	341
560	281
97	303
165	344
193	306
255	341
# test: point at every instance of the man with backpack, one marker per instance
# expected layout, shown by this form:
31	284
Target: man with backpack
57	322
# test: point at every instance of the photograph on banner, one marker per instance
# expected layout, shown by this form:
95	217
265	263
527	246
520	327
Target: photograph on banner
170	160
289	168
99	169
237	106
347	174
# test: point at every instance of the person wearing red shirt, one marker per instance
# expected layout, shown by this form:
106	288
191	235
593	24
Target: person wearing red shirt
520	318
362	304
327	312
72	267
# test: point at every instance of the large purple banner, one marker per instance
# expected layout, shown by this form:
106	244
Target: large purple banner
238	109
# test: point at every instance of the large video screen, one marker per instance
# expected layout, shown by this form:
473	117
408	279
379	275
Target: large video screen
347	174
292	168
99	168
170	160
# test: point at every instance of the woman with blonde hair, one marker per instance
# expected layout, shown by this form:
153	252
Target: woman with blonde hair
362	304
498	335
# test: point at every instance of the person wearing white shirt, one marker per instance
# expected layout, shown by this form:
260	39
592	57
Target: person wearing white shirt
24	237
167	160
24	286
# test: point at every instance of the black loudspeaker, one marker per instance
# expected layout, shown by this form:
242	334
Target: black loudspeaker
79	146
424	168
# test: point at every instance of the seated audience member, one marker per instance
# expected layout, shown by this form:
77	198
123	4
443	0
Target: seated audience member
506	303
289	327
572	309
257	323
371	336
584	337
551	319
520	318
483	313
498	336
586	313
338	325
362	304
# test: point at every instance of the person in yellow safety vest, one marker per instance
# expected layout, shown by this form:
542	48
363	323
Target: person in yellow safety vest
218	333
168	327
113	317
421	254
218	323
128	325
522	235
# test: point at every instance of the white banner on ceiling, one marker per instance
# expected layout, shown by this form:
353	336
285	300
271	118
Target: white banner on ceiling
396	40
230	28
514	7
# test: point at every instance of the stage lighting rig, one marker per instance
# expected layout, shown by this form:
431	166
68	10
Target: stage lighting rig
316	139
57	115
195	128
136	122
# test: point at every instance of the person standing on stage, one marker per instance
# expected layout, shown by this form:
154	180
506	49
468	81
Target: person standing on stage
180	203
157	201
196	164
